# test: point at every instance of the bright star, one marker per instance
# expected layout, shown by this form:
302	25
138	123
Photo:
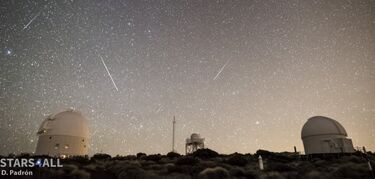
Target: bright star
8	52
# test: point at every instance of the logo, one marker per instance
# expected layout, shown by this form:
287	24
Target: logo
23	166
29	162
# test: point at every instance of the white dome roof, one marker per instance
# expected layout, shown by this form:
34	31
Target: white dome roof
70	123
195	136
320	125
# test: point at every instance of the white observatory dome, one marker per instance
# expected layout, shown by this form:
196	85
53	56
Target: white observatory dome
70	123
63	134
195	136
320	125
324	135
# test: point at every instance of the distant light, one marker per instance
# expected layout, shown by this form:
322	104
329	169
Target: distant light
8	52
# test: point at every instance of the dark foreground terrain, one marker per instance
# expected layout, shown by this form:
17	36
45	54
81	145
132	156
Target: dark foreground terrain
206	163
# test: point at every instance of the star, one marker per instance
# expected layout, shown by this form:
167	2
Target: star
8	52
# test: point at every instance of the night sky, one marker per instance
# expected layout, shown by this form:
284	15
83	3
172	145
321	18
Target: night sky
244	74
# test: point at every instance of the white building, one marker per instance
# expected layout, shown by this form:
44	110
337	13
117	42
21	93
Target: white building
64	134
324	135
194	143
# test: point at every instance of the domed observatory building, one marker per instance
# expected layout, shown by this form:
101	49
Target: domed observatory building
322	135
62	135
194	143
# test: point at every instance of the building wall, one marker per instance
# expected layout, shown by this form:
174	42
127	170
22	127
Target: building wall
327	144
57	145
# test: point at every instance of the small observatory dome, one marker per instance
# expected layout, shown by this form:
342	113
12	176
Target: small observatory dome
195	136
194	143
63	134
324	135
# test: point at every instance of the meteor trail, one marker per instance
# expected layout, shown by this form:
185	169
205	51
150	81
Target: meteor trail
27	25
222	68
109	74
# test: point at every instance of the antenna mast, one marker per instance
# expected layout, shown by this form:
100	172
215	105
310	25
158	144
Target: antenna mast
174	122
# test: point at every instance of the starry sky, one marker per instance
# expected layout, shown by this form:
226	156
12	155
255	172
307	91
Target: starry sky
244	74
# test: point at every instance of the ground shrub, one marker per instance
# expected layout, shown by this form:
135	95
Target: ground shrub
237	160
81	160
272	175
154	157
352	170
237	172
140	155
100	156
205	153
279	167
187	160
186	169
217	172
173	155
314	175
251	174
135	172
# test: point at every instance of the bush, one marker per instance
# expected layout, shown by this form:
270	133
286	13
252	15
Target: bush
119	166
24	155
205	153
217	172
154	157
187	160
100	156
251	174
68	169
140	155
82	160
173	155
186	169
237	159
352	158
177	176
80	174
128	157
279	157
155	167
50	173
304	167
135	172
280	167
264	152
237	172
272	175
314	175
352	170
